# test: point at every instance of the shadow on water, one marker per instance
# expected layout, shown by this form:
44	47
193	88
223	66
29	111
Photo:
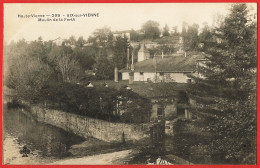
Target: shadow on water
50	141
188	148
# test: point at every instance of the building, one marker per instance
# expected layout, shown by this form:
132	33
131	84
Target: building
163	69
143	53
58	41
122	34
169	100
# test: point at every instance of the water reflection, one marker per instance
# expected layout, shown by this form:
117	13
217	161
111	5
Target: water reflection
49	140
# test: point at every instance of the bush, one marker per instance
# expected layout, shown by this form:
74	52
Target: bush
98	102
200	154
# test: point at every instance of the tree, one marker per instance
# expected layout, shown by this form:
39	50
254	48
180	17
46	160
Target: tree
104	67
192	37
85	57
68	67
206	37
120	52
136	36
133	107
37	50
26	77
225	97
101	37
166	31
151	30
71	41
80	42
184	35
218	19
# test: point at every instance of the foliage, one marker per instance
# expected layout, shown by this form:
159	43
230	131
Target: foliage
68	66
206	37
135	108
109	52
104	67
151	30
226	96
190	36
200	154
120	52
136	36
101	37
27	77
98	102
166	31
163	48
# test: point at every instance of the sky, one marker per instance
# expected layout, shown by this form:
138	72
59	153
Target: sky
117	16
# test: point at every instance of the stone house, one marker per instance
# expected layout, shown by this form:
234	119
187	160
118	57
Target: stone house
166	98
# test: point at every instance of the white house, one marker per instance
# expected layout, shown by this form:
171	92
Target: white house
122	34
163	69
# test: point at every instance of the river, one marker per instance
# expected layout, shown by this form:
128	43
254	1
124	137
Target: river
51	145
45	140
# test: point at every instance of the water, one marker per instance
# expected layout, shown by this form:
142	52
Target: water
50	141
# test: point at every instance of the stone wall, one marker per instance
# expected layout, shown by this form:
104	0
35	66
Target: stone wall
89	127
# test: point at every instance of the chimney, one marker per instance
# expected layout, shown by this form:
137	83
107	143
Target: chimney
162	54
127	61
132	65
116	74
131	77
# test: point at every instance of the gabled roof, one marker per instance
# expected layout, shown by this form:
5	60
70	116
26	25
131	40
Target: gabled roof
170	64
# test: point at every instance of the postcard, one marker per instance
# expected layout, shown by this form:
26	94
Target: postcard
129	84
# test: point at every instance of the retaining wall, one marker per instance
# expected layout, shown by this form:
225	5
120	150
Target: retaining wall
85	126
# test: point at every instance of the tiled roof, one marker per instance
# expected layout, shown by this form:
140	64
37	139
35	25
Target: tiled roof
169	64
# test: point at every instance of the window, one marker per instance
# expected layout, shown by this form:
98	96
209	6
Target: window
141	73
161	73
160	111
180	112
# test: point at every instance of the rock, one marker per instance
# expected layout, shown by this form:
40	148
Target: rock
25	155
25	150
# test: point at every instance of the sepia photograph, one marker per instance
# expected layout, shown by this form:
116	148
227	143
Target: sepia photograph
129	84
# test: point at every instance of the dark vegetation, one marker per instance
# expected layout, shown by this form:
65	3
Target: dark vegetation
97	102
226	96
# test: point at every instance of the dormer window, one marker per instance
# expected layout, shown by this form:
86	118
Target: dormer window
141	73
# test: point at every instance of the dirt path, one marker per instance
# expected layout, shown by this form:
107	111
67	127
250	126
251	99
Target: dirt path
114	158
12	156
